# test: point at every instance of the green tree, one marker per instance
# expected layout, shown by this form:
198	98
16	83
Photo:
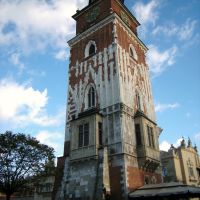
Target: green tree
22	158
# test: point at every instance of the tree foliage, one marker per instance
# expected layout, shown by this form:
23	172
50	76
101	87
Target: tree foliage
22	158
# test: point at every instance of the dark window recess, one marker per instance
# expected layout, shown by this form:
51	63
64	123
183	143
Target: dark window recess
131	52
150	136
83	135
138	101
198	170
146	180
138	134
100	133
86	134
80	138
91	50
91	97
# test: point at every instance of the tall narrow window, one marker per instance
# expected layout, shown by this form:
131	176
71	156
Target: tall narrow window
100	133
80	138
150	136
91	50
138	134
83	135
86	134
91	97
132	52
138	101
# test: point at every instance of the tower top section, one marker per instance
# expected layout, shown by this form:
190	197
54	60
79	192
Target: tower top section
98	10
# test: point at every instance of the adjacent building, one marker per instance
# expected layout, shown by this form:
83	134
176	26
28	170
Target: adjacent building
111	139
181	164
36	190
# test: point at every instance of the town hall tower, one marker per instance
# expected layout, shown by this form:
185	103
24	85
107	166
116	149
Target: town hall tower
111	139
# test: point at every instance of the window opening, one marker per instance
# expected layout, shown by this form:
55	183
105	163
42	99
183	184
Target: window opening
138	101
150	136
100	133
91	50
91	97
138	134
146	180
83	135
133	52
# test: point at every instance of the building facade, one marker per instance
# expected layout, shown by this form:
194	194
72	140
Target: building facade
42	190
181	164
111	138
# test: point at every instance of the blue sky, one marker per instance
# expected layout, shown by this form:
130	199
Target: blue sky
34	62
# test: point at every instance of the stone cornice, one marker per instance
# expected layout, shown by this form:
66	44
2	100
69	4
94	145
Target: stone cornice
92	29
107	20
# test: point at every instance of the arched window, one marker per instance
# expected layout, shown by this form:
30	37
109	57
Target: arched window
91	97
90	48
132	52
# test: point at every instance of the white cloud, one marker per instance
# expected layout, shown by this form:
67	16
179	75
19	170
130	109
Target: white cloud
146	13
15	60
178	142
163	107
35	24
183	32
168	30
22	105
165	145
187	30
62	55
52	139
159	61
197	136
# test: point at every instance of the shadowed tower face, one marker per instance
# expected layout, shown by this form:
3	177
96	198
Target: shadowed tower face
111	141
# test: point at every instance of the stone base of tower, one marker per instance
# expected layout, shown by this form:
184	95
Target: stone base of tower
137	178
83	179
116	182
125	176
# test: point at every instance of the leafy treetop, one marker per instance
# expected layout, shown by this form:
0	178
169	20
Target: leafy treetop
22	157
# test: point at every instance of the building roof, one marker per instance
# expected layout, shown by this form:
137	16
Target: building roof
173	189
